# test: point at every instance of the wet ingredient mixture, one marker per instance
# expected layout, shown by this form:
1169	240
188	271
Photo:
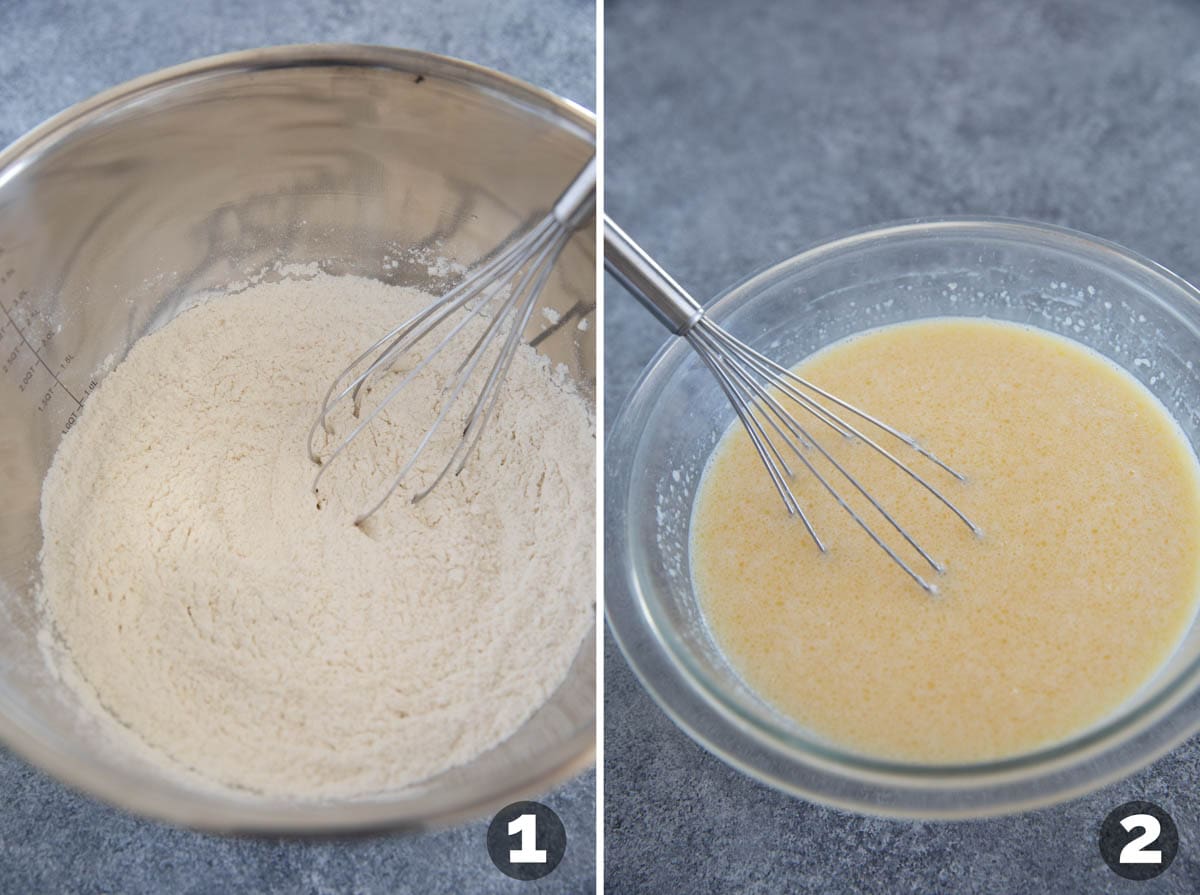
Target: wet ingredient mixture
1086	578
208	603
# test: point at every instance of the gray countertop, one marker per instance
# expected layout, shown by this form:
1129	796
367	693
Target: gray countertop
740	133
54	54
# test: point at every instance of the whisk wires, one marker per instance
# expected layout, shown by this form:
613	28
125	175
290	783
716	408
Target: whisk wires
499	295
757	386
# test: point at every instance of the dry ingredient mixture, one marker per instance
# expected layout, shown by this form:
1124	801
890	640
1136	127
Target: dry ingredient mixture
267	643
1086	578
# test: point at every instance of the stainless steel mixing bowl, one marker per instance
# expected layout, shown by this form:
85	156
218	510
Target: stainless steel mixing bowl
366	160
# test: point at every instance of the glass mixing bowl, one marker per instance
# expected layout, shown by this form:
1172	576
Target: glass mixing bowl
1127	308
364	160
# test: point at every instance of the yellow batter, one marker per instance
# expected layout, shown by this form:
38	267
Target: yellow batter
1084	582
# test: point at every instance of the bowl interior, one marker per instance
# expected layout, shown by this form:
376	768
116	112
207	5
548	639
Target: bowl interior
1138	315
361	160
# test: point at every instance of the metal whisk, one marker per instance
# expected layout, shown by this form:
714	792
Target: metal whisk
757	386
503	291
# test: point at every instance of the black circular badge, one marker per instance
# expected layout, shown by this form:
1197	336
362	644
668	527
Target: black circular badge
1138	840
526	840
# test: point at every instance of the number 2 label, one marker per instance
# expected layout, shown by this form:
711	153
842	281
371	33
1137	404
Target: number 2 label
1135	852
1138	840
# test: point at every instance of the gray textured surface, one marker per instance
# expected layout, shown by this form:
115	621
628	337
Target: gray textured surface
738	134
55	54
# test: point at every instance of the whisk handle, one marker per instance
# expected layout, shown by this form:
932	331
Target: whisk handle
647	282
578	199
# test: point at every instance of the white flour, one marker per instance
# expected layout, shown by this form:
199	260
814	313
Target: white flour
268	644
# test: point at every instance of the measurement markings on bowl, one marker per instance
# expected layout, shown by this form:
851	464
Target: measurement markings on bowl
26	361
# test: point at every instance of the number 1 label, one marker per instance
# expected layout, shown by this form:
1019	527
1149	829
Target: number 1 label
538	834
528	853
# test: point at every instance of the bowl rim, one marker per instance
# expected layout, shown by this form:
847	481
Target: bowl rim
28	147
321	819
885	788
